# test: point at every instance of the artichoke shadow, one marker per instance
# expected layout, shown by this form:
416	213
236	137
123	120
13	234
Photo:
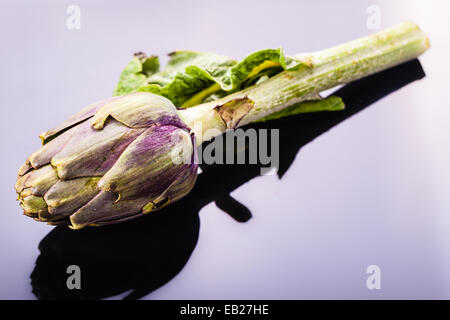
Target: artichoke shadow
142	255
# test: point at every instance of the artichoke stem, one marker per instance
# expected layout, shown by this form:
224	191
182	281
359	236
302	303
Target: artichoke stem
320	71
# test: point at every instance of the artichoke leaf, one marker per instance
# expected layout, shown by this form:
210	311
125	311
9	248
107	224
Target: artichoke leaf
190	77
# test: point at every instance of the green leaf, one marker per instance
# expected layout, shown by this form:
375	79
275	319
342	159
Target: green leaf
135	74
187	74
331	103
253	65
191	77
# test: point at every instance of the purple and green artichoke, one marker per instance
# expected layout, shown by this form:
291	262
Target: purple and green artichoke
136	152
115	160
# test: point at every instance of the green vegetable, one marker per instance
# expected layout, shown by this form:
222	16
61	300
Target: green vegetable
115	159
118	159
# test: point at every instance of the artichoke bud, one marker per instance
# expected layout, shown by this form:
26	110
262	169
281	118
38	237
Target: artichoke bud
114	160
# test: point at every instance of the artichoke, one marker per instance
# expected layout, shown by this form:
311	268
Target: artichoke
132	154
114	160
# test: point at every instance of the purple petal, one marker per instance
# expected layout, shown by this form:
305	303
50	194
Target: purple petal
105	207
147	165
77	118
139	110
65	197
93	152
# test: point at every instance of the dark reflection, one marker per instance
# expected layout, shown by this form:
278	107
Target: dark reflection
144	254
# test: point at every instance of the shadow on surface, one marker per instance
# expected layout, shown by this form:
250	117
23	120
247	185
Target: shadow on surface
144	254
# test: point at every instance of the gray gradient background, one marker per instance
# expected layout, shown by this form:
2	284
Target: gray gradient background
373	190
